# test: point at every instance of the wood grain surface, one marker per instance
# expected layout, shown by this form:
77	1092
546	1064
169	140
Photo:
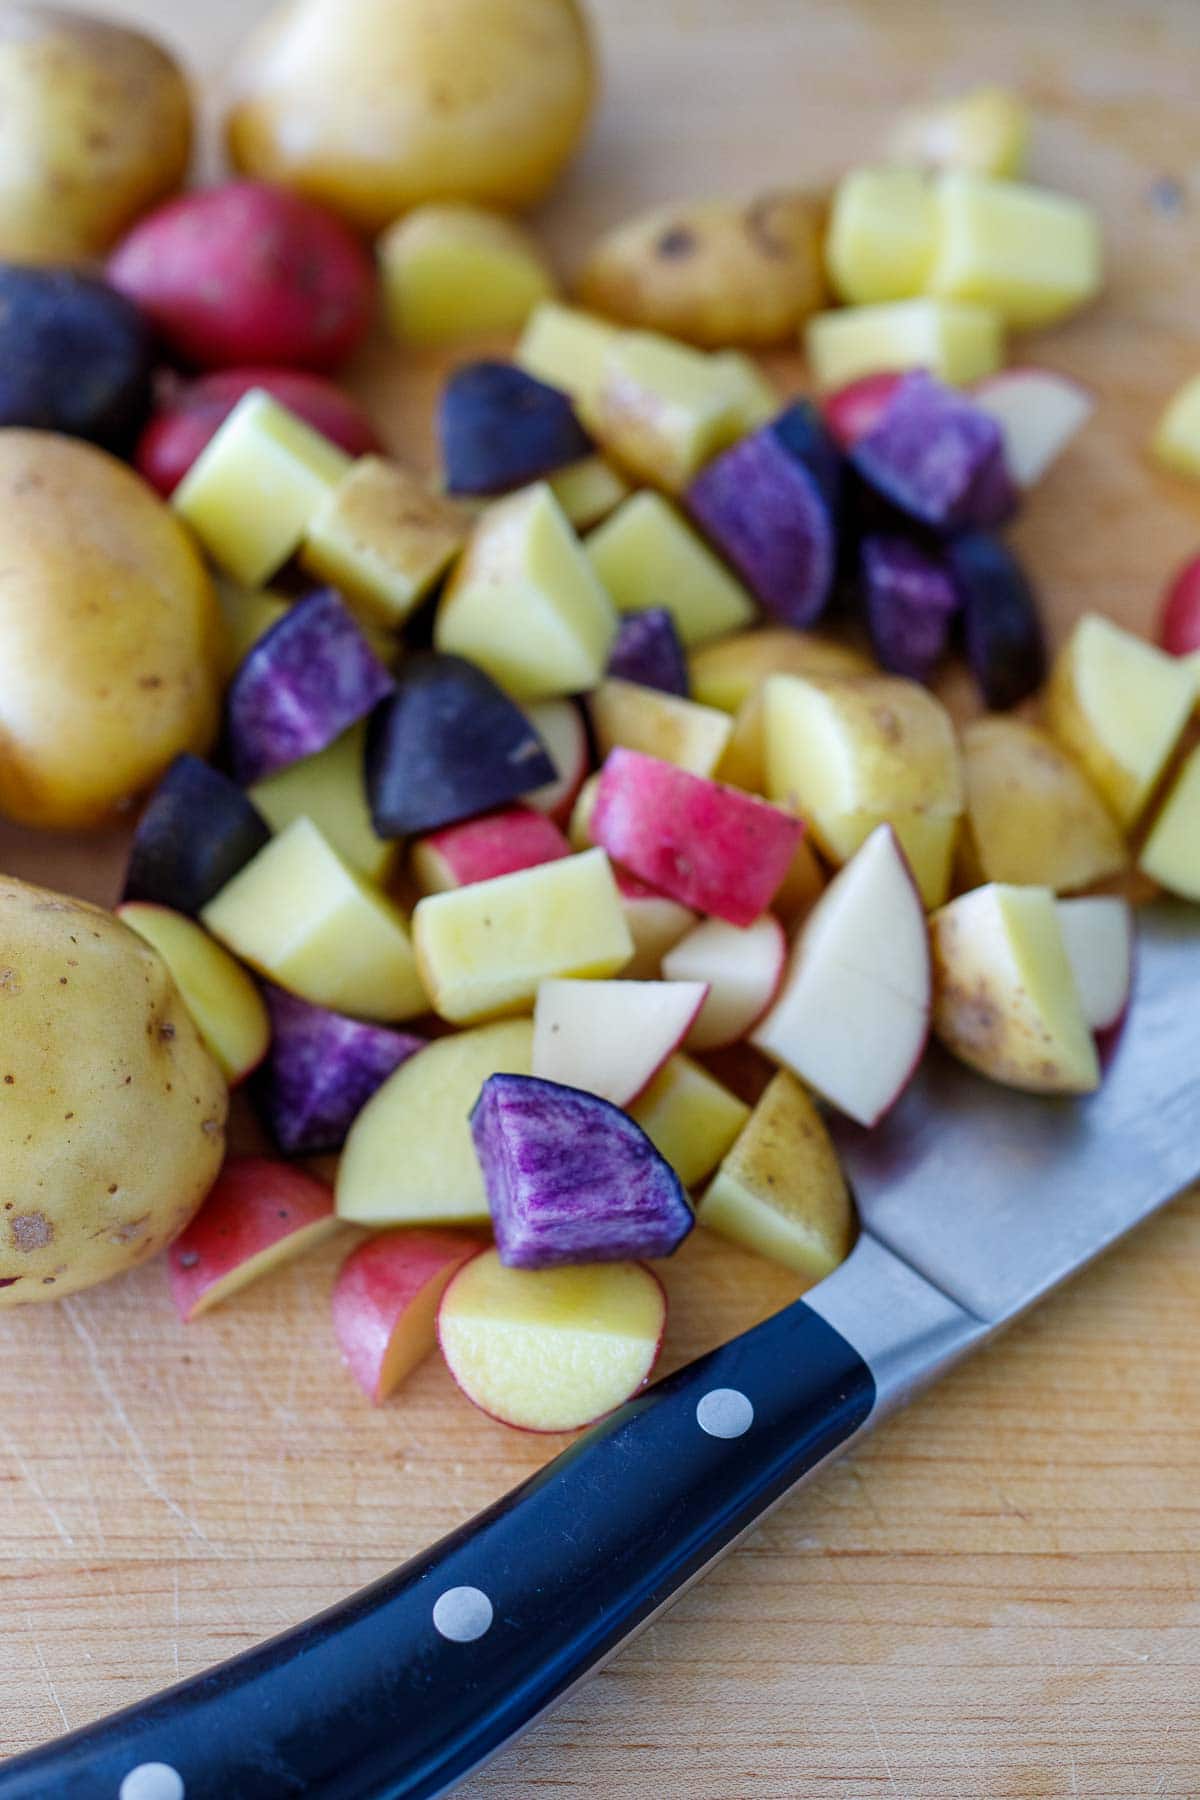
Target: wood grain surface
996	1595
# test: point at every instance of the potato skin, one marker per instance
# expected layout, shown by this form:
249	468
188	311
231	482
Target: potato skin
95	126
109	635
376	106
112	1113
715	272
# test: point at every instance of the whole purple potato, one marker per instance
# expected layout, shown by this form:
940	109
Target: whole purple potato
75	356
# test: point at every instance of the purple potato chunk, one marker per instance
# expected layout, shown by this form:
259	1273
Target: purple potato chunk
1002	628
501	428
771	505
647	650
938	457
571	1178
321	1071
447	745
75	356
198	829
910	604
303	684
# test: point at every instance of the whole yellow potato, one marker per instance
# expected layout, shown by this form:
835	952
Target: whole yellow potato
95	126
110	636
714	272
375	106
112	1112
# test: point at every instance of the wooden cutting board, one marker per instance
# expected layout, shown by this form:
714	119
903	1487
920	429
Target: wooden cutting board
997	1594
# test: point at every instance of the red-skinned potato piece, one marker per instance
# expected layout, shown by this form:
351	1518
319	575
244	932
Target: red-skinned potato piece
385	1302
192	412
854	409
248	273
1179	624
713	848
499	843
260	1214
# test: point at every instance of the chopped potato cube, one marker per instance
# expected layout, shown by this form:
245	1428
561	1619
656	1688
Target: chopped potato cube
746	385
566	347
588	490
1033	818
330	789
383	539
882	235
525	603
727	673
251	492
647	555
958	342
453	271
986	130
676	731
1176	441
689	1117
1031	255
303	918
663	409
482	949
248	614
1171	855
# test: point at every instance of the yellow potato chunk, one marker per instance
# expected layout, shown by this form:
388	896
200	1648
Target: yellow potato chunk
882	235
957	341
525	603
1171	855
409	1159
647	555
302	917
663	725
1118	705
662	410
746	386
1031	255
743	762
849	753
780	1190
1176	441
224	1001
985	130
567	347
727	673
247	615
579	828
1032	816
383	539
588	490
1005	998
329	788
483	949
456	271
690	1117
251	492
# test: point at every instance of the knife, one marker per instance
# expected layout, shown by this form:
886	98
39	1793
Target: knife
974	1200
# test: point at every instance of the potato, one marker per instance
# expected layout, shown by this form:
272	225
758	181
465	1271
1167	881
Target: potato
74	356
1032	817
714	272
452	272
95	126
113	1120
376	106
110	636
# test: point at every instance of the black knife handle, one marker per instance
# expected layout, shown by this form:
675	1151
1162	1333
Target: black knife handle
399	1691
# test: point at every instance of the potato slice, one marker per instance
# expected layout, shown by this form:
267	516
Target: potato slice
456	271
383	539
1171	855
566	347
725	674
641	718
329	789
1032	816
1032	255
780	1190
882	235
647	555
985	129
662	409
1005	999
690	1117
956	341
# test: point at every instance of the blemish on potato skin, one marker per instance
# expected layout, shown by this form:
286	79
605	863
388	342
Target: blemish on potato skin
30	1231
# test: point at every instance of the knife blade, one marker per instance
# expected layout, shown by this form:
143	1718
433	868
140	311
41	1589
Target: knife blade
975	1201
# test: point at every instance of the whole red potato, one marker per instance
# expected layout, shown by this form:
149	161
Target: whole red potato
184	423
1179	623
247	273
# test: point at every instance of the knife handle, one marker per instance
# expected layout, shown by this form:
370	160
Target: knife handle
396	1693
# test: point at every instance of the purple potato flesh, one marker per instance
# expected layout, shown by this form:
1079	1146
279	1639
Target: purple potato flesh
910	603
322	1070
770	506
1002	628
198	829
938	457
571	1178
648	651
303	684
500	428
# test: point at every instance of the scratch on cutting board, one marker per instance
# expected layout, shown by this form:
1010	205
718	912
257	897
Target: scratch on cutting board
112	1399
175	1640
34	1486
883	1755
42	1665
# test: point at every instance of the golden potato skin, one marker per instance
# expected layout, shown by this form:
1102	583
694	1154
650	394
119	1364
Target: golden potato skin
375	106
715	272
95	126
109	634
112	1113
